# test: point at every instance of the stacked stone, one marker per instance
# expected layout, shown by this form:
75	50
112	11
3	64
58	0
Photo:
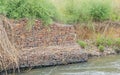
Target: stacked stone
40	35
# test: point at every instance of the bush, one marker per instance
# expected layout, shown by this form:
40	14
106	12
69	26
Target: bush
82	43
107	41
101	48
100	10
86	10
101	40
65	11
74	11
41	9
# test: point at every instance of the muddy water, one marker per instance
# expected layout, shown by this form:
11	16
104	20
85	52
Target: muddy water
98	66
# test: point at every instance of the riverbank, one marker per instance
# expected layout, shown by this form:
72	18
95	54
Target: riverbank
52	32
55	44
106	65
41	46
58	55
52	55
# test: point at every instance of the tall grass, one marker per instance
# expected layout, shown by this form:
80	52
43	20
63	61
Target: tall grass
101	9
115	16
42	9
76	11
64	11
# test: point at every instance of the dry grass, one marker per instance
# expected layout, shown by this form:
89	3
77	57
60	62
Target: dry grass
108	29
8	52
84	32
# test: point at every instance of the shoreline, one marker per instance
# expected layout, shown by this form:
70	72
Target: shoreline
49	46
71	56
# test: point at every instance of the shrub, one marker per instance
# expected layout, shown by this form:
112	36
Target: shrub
65	11
107	41
74	11
101	40
86	10
41	9
82	43
101	48
100	10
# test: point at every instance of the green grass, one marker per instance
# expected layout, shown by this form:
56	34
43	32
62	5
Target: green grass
101	48
36	9
105	41
64	11
82	43
100	10
76	11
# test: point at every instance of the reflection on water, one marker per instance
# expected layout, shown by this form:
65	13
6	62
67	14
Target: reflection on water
98	66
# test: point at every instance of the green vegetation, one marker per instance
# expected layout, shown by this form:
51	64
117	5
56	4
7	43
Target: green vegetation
106	41
102	42
101	48
35	9
100	10
82	43
65	11
117	42
75	11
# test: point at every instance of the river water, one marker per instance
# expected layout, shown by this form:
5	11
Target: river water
109	65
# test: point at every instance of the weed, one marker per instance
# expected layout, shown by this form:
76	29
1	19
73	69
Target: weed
82	43
75	11
106	41
38	9
101	48
100	10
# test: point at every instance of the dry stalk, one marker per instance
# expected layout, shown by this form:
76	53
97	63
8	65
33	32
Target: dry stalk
8	51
